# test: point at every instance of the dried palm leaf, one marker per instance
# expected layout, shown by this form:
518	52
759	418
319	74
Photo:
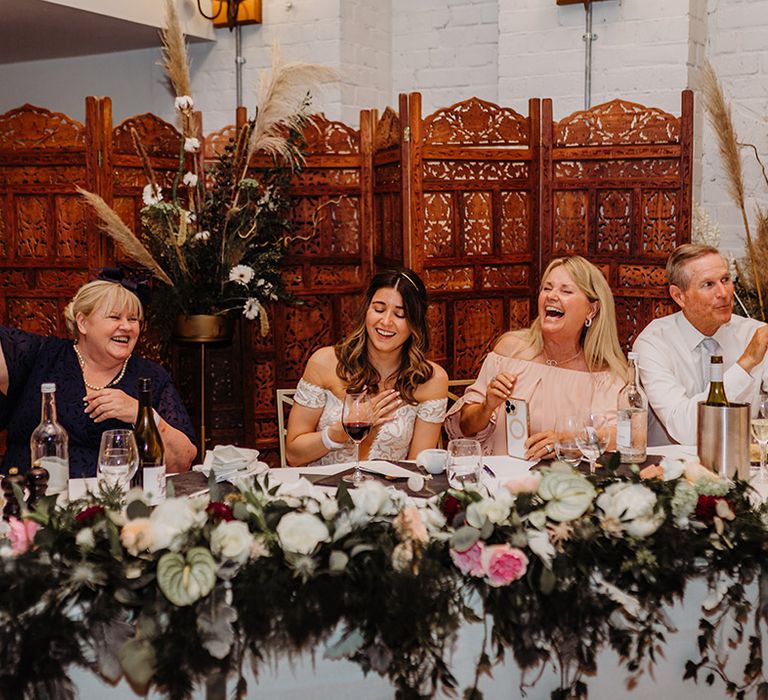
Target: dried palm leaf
719	113
175	60
113	226
149	173
282	93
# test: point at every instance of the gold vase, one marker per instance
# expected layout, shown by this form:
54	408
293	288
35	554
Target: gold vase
203	328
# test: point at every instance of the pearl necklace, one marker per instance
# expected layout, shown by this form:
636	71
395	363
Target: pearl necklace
555	363
115	380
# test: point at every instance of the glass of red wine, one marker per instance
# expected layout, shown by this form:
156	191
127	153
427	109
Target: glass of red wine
357	419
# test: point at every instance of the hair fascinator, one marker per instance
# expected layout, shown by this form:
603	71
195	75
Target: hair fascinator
136	283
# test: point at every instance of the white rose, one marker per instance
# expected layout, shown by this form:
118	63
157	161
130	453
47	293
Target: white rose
301	532
329	508
673	468
372	498
495	511
632	506
170	521
85	539
432	518
232	541
567	493
695	470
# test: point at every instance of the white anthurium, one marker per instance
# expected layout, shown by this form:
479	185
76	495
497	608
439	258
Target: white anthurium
568	494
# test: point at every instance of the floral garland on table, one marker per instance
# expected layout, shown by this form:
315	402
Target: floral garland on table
559	565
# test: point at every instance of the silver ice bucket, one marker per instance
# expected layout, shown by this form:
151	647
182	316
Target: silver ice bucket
723	439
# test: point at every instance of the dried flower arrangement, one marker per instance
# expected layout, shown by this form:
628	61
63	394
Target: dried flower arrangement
215	241
751	270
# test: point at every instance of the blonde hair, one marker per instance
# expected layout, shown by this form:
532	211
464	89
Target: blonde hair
600	340
93	295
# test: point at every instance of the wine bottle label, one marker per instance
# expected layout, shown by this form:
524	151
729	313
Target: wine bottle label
58	477
154	484
623	433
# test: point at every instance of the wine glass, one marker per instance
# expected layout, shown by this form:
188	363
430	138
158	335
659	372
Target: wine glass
465	462
566	446
118	458
759	426
592	437
357	419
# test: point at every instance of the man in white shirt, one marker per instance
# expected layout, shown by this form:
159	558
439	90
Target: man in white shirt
674	351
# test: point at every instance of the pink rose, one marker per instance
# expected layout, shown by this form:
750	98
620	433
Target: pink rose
21	534
468	561
524	484
503	564
409	525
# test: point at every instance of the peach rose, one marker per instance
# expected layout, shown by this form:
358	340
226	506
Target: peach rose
503	564
21	534
468	561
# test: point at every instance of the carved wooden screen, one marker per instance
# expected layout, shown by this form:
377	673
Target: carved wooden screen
48	241
327	268
616	188
389	188
474	180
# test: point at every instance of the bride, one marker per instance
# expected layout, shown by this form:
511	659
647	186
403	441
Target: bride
385	355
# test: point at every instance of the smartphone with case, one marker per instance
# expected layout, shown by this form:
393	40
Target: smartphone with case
518	427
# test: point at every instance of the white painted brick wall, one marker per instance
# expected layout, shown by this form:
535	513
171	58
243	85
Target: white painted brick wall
737	47
448	51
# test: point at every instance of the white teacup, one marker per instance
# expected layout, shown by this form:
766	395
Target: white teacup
434	460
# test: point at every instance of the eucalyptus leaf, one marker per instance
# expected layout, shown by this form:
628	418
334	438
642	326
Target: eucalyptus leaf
464	538
213	487
547	581
137	509
214	623
348	645
19	494
240	511
487	529
138	660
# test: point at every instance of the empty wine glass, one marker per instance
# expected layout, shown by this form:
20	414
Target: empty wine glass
760	432
357	419
592	437
118	458
465	462
566	447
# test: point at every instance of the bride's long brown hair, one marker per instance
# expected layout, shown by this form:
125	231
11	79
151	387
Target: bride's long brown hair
354	368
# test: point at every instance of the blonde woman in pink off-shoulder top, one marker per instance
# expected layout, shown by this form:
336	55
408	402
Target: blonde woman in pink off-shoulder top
569	361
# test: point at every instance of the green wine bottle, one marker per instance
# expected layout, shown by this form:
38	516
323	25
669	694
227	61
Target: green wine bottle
716	395
151	474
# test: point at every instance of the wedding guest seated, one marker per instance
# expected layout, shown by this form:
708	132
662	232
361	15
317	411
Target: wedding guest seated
568	362
96	377
674	352
384	355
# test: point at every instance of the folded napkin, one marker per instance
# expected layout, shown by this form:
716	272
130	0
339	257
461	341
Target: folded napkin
228	461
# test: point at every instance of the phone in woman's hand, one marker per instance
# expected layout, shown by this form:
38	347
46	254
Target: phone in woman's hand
518	426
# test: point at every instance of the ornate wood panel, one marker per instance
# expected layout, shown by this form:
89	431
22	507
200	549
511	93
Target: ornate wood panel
616	188
473	184
327	267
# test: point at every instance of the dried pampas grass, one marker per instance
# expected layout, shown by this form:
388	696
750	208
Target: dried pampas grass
175	61
719	113
281	94
113	225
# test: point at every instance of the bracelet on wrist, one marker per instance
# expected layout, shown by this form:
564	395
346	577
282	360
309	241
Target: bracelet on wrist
328	441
